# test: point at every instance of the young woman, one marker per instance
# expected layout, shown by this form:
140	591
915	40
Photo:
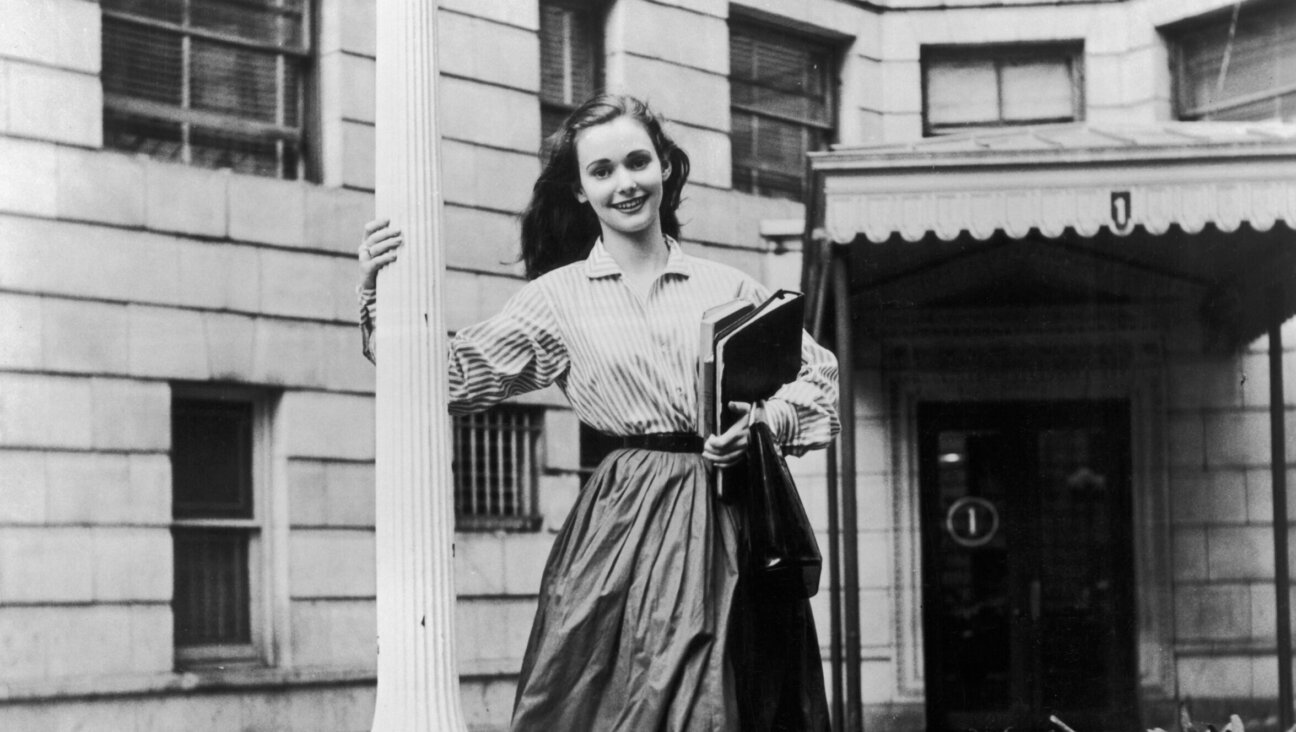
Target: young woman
635	629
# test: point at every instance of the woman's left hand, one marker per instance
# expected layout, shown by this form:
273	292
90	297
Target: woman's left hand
725	450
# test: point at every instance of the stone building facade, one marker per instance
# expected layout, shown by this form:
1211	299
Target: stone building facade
186	422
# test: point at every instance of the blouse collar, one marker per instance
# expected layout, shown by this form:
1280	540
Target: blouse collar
600	263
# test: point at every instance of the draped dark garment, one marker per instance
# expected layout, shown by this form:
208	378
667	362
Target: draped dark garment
637	628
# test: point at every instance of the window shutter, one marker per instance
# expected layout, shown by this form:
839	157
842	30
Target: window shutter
569	60
1260	82
1037	89
216	83
781	107
993	86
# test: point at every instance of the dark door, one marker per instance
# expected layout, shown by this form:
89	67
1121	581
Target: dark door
1027	593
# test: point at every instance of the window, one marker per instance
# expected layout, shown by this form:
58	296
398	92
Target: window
781	107
1251	77
217	527
495	469
211	83
966	89
570	55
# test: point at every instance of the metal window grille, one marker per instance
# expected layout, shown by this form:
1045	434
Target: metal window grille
570	53
211	83
213	526
495	469
1258	80
967	89
781	107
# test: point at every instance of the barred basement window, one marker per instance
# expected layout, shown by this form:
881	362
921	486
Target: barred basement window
973	88
210	83
570	59
216	529
1258	80
781	107
495	469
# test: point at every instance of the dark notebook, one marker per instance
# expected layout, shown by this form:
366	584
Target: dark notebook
759	353
752	355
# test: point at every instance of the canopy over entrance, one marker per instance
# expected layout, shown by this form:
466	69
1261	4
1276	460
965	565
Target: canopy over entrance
1028	227
1196	212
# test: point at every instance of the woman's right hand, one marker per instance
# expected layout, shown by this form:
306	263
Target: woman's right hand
377	250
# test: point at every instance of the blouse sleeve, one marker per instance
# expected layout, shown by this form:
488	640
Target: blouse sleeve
802	415
516	351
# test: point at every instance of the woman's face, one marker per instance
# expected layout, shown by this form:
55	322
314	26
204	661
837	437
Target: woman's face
620	175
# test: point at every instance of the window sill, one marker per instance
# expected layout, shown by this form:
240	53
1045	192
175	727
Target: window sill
491	524
242	678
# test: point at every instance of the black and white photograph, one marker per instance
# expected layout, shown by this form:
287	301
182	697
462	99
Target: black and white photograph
647	365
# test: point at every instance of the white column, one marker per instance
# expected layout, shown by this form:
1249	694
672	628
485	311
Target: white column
418	687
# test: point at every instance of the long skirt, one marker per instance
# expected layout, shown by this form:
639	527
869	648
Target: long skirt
635	627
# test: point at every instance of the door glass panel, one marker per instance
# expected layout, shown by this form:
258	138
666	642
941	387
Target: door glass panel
1027	550
1077	497
976	629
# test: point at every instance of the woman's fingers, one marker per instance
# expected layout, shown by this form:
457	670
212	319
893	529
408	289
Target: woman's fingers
377	250
385	245
729	447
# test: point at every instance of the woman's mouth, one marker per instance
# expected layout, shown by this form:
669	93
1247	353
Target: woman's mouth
630	206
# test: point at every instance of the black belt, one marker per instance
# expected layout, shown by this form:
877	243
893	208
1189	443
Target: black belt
665	441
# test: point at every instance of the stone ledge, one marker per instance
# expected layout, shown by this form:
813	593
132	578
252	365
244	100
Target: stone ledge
242	679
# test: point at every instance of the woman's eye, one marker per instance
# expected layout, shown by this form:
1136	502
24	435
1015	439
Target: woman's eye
599	173
639	163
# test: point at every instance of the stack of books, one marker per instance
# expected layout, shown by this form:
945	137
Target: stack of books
746	353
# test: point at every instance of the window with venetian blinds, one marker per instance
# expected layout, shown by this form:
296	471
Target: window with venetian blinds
1259	81
215	530
781	107
570	59
211	83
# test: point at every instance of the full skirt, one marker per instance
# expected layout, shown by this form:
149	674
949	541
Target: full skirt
638	629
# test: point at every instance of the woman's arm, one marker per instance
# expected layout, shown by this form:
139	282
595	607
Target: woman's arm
803	414
377	250
516	351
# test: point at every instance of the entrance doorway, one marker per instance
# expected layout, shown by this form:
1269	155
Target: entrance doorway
1027	565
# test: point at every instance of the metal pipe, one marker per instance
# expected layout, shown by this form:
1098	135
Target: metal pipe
834	590
854	721
815	272
1278	446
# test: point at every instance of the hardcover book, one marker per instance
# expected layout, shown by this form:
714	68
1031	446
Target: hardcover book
748	354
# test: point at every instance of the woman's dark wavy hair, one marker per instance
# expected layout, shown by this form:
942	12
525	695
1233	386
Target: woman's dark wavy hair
557	229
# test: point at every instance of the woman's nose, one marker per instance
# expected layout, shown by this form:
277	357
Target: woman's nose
624	181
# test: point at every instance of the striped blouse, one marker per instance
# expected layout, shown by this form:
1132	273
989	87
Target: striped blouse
627	363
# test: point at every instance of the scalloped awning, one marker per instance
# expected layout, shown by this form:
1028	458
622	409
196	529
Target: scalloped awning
1082	177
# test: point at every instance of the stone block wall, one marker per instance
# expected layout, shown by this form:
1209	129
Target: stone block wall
121	275
1222	518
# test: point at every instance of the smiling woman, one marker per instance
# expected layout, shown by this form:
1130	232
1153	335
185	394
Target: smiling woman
642	613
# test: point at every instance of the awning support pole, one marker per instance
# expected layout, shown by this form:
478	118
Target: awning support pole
834	590
418	683
850	523
1278	445
817	267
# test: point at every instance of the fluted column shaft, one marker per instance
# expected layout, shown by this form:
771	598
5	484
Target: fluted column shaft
418	686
